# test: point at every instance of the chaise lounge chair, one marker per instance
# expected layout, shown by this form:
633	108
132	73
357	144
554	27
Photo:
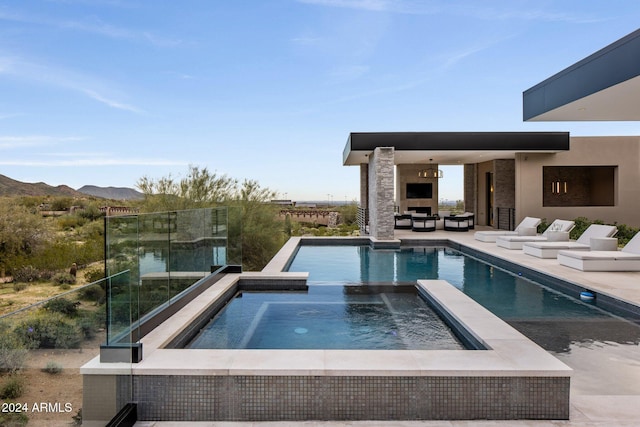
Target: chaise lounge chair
516	242
550	249
490	236
627	259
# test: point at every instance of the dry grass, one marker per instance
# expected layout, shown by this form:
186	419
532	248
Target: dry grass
12	300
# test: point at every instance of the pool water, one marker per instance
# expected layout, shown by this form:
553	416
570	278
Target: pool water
329	317
603	349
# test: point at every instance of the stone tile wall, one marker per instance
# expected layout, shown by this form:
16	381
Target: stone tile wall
292	398
381	198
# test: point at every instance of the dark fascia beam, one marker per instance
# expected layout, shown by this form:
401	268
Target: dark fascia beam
612	65
459	141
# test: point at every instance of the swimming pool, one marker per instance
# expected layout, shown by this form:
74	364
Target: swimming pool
602	348
329	317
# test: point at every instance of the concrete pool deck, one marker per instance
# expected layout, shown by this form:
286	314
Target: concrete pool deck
585	410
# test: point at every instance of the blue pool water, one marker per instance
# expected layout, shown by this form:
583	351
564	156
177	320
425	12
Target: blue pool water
507	295
603	349
328	317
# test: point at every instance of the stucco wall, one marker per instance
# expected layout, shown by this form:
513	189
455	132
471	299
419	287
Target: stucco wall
623	151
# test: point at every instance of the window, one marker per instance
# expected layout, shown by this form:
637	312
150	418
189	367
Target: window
579	185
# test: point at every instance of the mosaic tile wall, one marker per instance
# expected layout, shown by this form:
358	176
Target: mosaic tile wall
278	398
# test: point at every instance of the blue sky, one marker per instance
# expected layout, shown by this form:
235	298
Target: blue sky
104	92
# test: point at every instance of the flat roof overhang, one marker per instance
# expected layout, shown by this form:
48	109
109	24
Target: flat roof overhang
452	148
604	86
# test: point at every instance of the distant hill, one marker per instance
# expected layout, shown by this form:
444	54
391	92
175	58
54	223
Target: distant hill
11	187
113	193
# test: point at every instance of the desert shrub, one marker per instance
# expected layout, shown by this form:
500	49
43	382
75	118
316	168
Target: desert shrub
12	388
52	368
91	213
13	419
93	293
581	224
63	306
70	222
46	274
77	418
13	352
89	324
19	286
26	274
625	233
94	274
349	214
61	203
62	278
49	330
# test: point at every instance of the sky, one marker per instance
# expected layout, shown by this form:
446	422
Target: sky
104	92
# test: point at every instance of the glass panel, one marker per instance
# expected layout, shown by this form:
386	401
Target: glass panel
152	258
122	271
54	338
234	236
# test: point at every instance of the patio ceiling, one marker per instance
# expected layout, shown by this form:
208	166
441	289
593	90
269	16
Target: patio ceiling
452	148
604	86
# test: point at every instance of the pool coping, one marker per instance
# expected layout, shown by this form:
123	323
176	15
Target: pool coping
508	354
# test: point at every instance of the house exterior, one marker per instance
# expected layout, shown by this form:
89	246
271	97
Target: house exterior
510	175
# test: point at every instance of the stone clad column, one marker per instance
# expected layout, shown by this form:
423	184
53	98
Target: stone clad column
364	185
381	200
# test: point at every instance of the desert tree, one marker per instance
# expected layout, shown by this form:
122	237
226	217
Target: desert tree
258	225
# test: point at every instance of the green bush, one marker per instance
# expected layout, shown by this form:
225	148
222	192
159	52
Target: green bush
63	278
48	330
13	352
26	274
625	233
13	419
93	293
63	306
19	286
94	274
12	388
52	368
89	323
70	222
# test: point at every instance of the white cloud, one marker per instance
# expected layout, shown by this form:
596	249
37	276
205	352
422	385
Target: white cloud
110	102
12	142
94	26
475	9
90	86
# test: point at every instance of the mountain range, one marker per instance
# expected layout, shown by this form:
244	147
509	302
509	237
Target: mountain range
11	187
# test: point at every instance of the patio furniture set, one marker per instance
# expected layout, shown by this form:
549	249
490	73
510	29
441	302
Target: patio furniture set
595	250
417	221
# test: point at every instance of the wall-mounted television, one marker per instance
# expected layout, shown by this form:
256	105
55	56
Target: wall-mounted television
419	190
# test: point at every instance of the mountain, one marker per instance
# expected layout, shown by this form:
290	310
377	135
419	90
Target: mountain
113	193
11	187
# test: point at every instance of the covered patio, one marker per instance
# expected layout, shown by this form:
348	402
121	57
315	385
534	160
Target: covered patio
393	179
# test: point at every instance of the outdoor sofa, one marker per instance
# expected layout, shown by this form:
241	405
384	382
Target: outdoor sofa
627	259
559	226
402	222
461	222
490	236
423	222
550	249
